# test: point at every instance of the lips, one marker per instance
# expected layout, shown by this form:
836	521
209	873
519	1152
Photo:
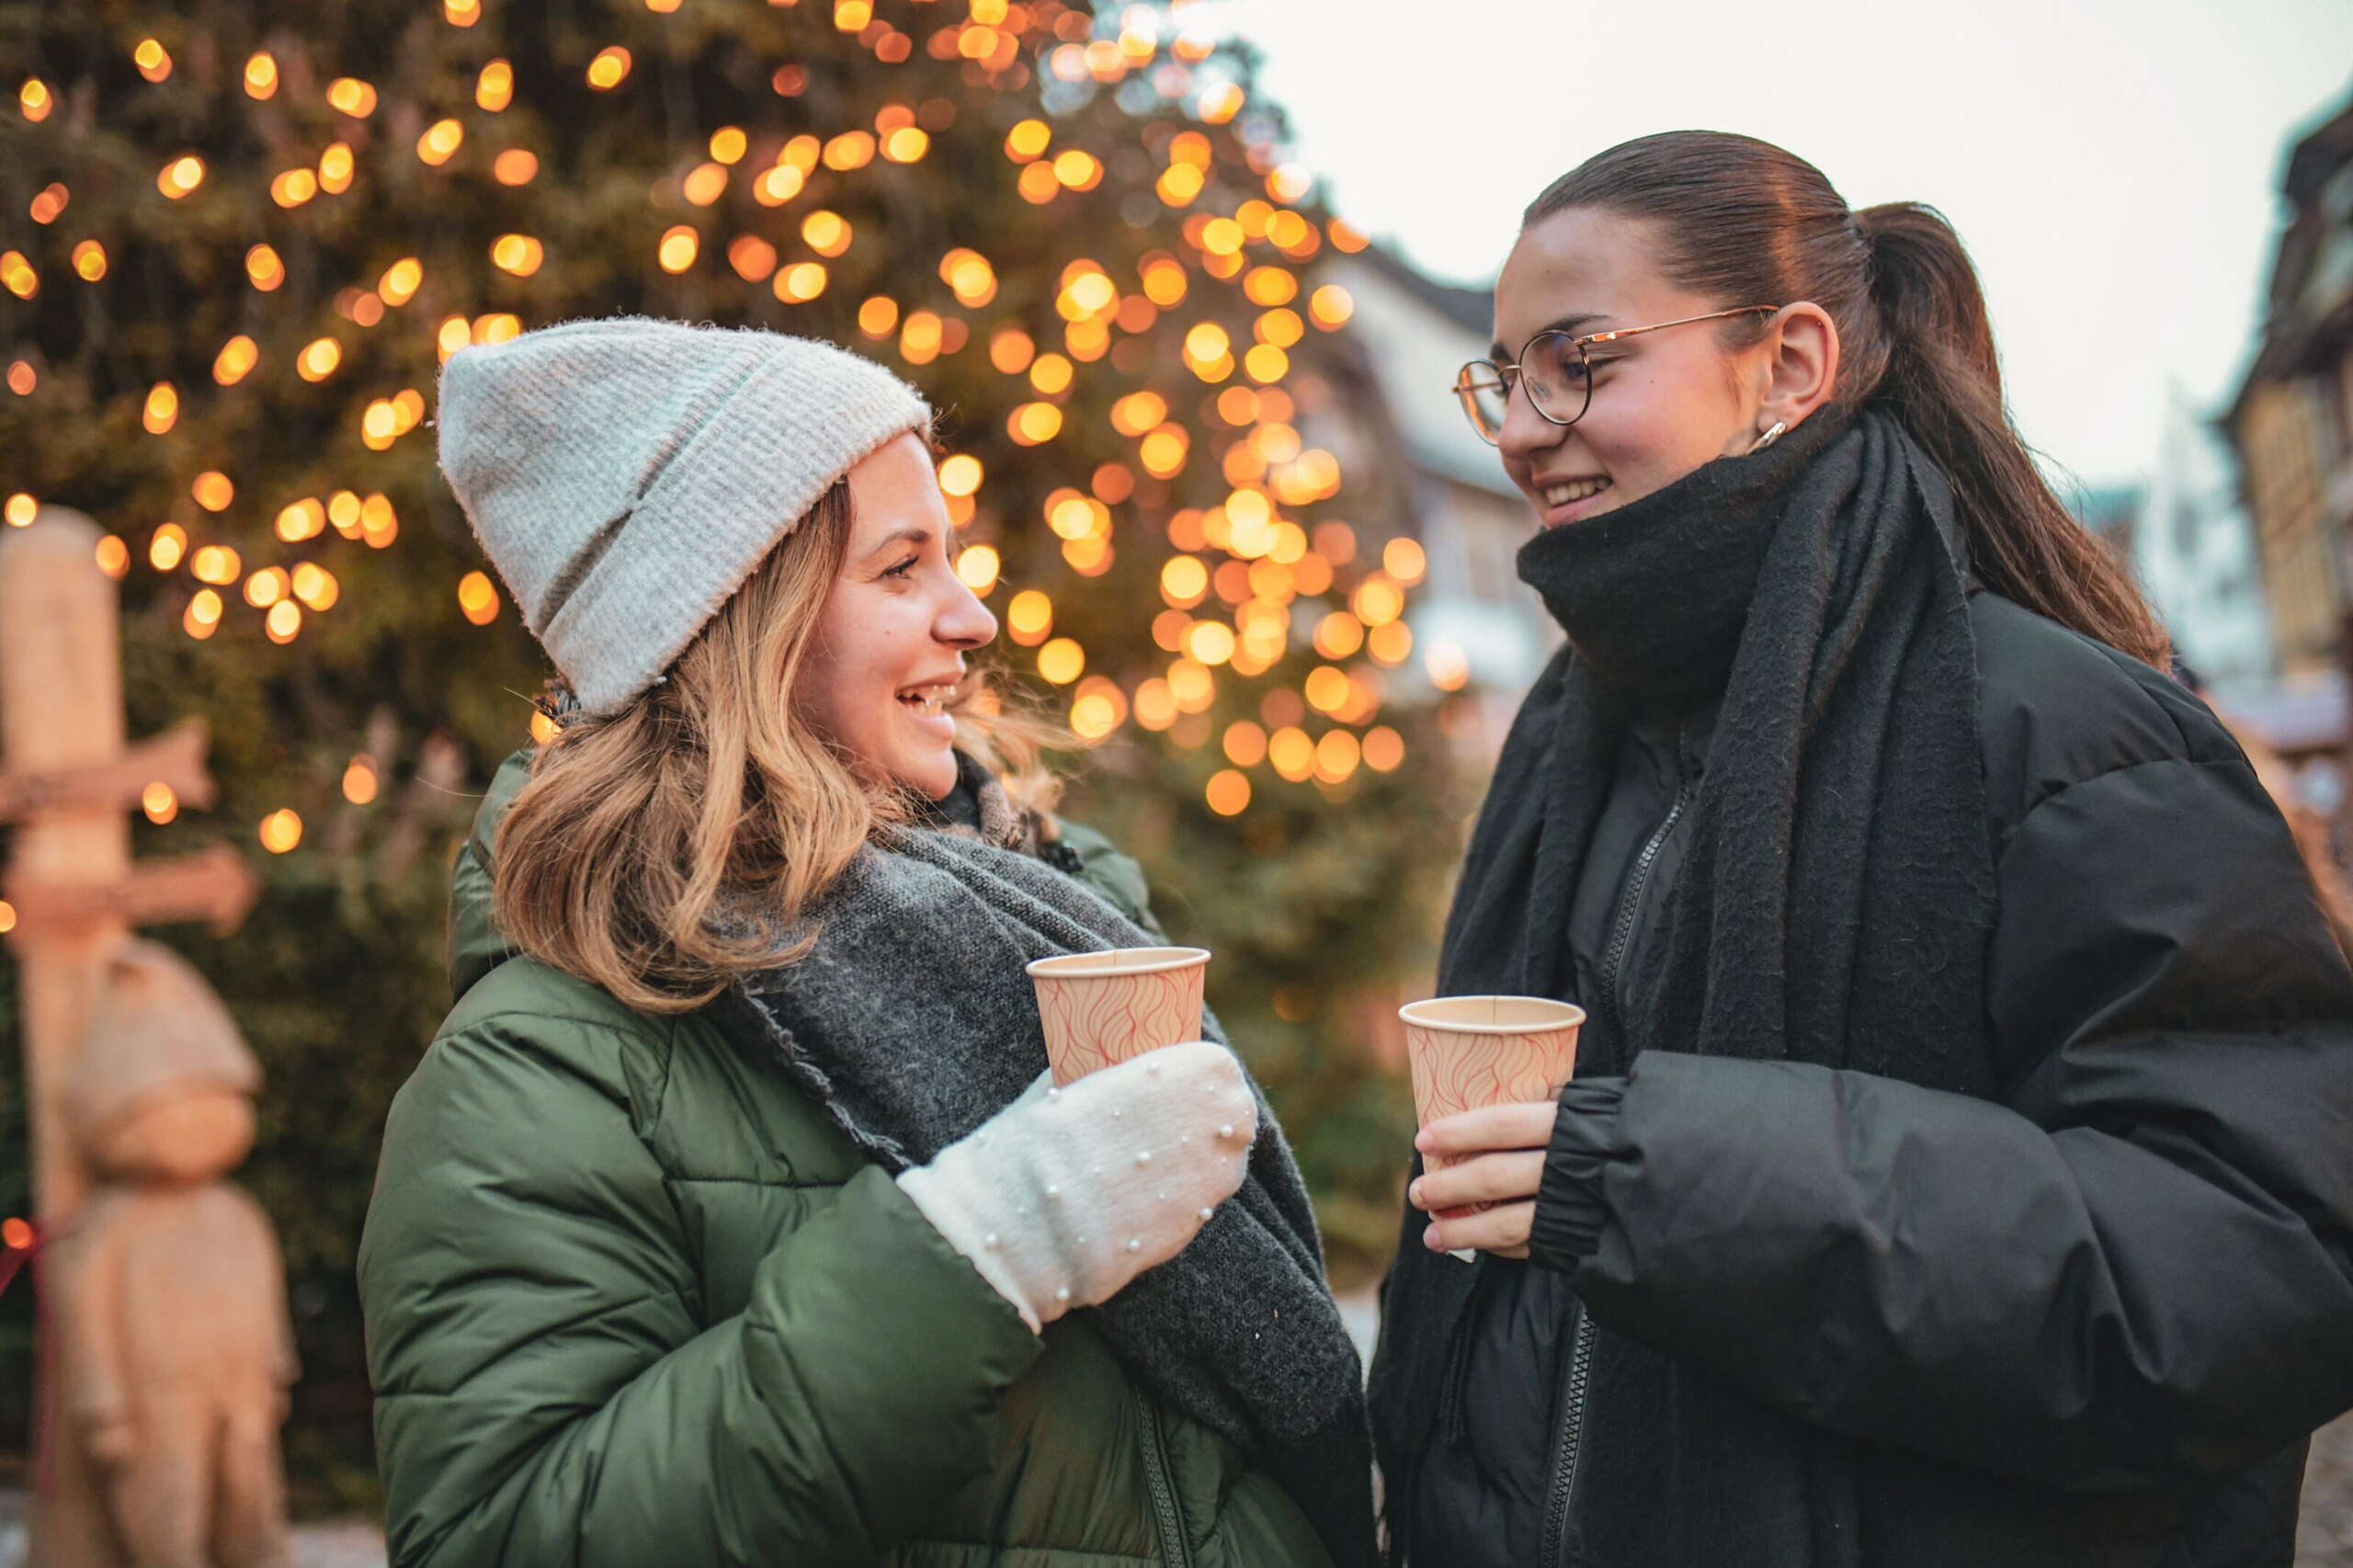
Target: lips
1567	500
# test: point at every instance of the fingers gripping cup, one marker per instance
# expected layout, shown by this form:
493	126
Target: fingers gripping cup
1099	1009
1469	1051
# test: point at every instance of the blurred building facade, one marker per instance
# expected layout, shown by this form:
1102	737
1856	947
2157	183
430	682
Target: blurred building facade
1477	629
2292	422
2188	541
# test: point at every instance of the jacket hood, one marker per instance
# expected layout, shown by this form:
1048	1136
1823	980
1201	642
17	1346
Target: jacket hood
476	944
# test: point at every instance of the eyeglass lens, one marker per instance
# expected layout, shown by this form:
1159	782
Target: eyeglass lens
1553	369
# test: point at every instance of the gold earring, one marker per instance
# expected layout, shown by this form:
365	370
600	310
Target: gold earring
1767	440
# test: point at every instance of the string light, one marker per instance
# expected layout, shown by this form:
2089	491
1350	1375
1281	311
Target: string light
1227	573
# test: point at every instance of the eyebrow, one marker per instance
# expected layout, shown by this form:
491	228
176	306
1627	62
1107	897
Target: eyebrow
913	533
1570	324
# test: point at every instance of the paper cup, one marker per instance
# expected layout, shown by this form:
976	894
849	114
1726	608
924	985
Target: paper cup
1468	1052
1099	1009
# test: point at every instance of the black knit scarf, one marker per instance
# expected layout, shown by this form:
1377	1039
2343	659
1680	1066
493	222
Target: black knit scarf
1837	896
911	1022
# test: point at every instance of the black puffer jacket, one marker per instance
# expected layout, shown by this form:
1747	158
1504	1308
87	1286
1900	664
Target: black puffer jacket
2088	1323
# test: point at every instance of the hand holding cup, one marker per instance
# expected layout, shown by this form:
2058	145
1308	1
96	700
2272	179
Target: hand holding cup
1487	1071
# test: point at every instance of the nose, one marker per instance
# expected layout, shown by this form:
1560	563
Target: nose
964	622
1526	432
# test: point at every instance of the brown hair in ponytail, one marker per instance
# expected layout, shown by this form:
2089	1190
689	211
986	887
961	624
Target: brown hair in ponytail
1742	222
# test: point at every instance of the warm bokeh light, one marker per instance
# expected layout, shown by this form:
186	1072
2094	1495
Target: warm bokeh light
1331	306
266	586
495	87
349	96
280	831
478	598
801	282
1033	423
1291	754
202	617
218	564
315	587
1027	141
1061	661
440	141
1029	616
610	67
752	257
977	568
359	780
163	409
318	360
1227	793
518	253
263	268
961	474
678	249
180	176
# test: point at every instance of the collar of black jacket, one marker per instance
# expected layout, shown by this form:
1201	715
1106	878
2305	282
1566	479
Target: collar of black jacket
1654	594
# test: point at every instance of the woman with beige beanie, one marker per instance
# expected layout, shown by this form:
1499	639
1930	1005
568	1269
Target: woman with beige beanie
730	1218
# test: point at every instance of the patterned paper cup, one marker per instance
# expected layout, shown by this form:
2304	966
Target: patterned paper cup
1468	1052
1099	1009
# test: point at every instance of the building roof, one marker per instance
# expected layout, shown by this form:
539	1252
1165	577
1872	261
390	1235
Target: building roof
1471	308
2303	322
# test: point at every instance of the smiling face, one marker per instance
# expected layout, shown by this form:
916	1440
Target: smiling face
889	647
1663	402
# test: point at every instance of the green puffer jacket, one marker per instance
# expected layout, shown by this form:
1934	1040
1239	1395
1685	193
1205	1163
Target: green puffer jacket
633	1300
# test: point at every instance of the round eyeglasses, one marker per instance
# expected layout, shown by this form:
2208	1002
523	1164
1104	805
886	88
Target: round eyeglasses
1556	372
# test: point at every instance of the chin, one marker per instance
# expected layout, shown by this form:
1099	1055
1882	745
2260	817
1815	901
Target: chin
933	778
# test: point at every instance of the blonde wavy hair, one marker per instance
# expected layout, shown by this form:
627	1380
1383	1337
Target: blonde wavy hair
662	850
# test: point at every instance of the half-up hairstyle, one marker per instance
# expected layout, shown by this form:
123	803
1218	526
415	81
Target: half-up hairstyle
1741	222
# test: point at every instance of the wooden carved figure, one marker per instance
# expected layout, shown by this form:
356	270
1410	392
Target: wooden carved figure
176	1346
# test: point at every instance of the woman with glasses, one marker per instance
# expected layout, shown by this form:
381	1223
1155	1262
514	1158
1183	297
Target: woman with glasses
1956	1171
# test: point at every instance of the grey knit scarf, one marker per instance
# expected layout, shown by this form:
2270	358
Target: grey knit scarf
912	1022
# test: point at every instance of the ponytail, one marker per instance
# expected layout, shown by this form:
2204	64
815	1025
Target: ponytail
1741	220
1943	381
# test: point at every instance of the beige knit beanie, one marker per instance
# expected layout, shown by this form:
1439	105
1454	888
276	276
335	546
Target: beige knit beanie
626	475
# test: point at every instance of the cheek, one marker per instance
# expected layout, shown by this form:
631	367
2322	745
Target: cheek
1656	429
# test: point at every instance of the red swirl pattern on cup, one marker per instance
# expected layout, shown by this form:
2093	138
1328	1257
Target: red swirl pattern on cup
1099	1009
1469	1051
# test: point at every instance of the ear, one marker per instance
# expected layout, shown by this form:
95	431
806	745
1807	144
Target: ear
1802	365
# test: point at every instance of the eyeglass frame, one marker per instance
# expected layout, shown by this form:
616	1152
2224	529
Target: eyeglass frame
1508	376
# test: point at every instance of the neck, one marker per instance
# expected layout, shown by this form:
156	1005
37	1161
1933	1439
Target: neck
1654	594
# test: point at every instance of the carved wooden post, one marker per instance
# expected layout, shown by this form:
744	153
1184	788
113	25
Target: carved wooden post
66	781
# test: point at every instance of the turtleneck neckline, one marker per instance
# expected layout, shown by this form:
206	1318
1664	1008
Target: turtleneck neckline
1654	595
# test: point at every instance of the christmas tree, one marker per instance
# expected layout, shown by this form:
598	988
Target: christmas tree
239	239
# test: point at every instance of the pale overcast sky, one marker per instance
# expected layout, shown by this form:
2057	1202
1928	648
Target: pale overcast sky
2112	164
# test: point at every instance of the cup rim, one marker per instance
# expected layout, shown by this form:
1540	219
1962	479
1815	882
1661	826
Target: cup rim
1572	1016
1088	966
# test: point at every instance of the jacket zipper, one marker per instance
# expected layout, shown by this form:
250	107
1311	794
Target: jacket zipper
1165	1515
1571	1438
1622	930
